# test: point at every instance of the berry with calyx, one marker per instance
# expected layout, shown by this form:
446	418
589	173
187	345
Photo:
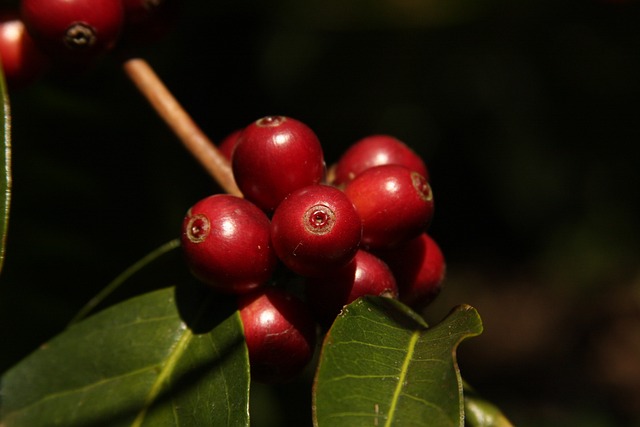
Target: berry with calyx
22	62
73	30
280	333
419	268
376	150
275	156
315	230
226	244
394	203
365	275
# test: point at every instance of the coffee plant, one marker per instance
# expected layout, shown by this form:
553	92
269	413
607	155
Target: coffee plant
300	271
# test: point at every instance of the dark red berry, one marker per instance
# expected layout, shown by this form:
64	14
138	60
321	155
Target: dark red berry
22	62
228	144
394	203
315	230
376	150
280	333
148	20
73	28
365	275
227	245
275	156
419	268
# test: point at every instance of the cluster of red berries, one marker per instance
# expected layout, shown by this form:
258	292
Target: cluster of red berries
356	229
72	34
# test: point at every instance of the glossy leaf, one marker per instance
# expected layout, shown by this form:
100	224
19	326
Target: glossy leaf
480	412
5	165
382	366
144	262
162	359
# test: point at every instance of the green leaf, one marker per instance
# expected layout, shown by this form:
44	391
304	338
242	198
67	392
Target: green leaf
122	278
382	366
480	412
5	166
173	357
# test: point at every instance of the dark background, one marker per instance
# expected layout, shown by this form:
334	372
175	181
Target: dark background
525	112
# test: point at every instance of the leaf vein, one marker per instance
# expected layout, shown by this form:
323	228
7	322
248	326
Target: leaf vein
163	375
403	374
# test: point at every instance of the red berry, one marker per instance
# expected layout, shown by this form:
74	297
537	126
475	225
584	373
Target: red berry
275	156
280	333
228	144
394	203
376	150
315	230
227	245
365	275
148	20
419	268
73	28
22	62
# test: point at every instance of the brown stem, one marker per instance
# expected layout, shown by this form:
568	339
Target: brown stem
191	136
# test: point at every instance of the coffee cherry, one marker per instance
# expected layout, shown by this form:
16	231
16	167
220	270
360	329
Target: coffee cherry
226	244
394	203
280	333
73	29
22	62
316	229
274	156
365	275
376	150
419	268
228	144
148	20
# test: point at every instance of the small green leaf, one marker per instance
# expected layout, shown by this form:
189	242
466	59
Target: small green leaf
5	165
482	413
162	359
382	366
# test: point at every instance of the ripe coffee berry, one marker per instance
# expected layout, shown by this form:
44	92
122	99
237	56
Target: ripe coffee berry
419	268
228	144
274	156
316	229
394	203
148	20
226	244
22	62
280	333
365	275
376	150
73	28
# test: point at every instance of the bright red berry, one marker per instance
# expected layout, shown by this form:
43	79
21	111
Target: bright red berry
74	28
280	333
419	268
365	275
22	62
226	244
315	230
394	203
376	150
274	156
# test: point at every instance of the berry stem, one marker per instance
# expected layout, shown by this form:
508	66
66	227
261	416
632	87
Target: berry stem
174	115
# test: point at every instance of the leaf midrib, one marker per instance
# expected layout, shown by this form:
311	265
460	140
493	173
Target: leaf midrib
403	374
165	372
